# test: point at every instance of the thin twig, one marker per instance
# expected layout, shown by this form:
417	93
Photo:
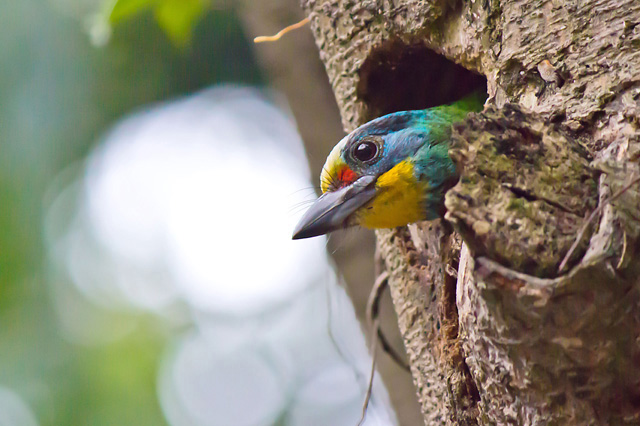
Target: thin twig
373	321
591	217
373	303
385	344
263	39
374	352
389	350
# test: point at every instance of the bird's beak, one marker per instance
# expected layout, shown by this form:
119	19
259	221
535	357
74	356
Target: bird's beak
332	210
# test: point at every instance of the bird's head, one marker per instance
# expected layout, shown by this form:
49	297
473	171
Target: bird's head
389	172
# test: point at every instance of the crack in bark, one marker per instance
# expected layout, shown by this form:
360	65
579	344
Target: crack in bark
466	390
530	196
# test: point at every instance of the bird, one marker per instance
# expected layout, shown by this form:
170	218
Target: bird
390	172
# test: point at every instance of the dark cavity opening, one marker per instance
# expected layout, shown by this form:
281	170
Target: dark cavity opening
400	77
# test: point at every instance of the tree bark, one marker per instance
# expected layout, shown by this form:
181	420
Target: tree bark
495	333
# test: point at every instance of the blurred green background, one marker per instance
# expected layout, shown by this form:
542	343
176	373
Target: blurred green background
63	81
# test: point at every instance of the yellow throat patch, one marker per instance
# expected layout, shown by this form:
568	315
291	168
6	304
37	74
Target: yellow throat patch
399	200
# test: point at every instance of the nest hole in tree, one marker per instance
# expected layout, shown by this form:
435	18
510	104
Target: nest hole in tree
400	77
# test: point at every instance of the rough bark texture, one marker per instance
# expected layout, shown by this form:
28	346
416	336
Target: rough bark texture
523	344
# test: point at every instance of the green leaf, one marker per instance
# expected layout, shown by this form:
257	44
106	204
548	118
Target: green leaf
123	9
178	18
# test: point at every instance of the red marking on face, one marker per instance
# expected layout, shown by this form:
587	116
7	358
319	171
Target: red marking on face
346	176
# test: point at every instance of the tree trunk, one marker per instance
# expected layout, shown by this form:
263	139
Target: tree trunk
495	333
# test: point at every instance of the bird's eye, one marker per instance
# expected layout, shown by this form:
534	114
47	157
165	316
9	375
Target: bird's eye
365	151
